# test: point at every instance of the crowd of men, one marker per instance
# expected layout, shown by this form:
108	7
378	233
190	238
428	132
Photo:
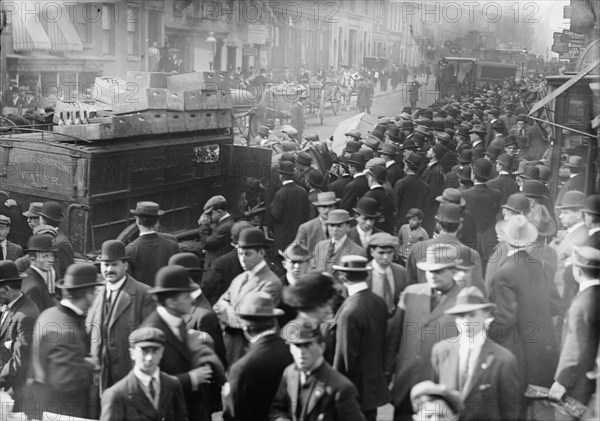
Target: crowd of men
429	266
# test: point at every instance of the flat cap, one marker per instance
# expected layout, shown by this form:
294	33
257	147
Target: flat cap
147	336
215	202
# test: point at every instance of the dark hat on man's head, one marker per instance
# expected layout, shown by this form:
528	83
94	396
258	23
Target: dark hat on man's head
147	208
312	137
312	290
186	259
482	168
413	161
287	168
52	211
315	178
494	111
80	275
215	202
354	133
510	140
409	144
573	199
264	130
147	337
287	156
41	243
450	213
522	117
395	135
304	158
453	196
172	278
252	237
388	149
479	129
415	212
352	146
466	156
368	207
493	152
506	161
530	172
34	210
372	142
113	250
237	228
592	204
258	304
535	188
302	330
443	137
357	159
517	203
9	271
378	172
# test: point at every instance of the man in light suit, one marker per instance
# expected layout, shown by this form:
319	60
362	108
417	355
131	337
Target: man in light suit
582	324
360	337
120	306
310	389
8	250
422	308
146	393
367	212
257	276
329	252
484	373
315	230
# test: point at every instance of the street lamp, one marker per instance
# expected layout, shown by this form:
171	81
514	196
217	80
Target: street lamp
212	49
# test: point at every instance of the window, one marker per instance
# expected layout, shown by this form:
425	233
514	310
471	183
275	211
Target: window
82	24
133	31
108	32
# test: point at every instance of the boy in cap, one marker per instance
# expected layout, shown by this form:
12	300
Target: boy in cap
215	230
411	233
8	250
435	402
146	393
323	392
484	373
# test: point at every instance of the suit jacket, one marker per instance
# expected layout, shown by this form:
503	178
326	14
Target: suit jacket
491	392
394	173
204	318
354	236
147	254
34	287
353	191
321	260
576	182
478	151
594	240
254	378
217	242
484	204
310	233
177	361
386	204
467	234
332	398
13	251
130	308
411	192
580	344
470	257
61	374
360	347
505	184
339	185
522	321
126	400
418	322
289	210
17	332
563	245
64	253
216	280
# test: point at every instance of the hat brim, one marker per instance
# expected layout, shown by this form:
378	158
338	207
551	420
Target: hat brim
277	312
34	250
20	278
144	344
136	212
30	214
328	203
441	199
157	290
593	211
428	267
267	243
530	236
570	207
479	174
52	218
286	172
339	222
61	285
296	258
345	269
367	215
467	308
477	131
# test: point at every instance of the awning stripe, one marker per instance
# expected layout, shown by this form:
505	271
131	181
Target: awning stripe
29	35
63	34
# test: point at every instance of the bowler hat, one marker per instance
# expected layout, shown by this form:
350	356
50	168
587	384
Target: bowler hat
413	161
287	156
352	263
338	216
493	152
478	129
506	161
407	125
463	131
302	330
315	178
354	133
186	259
466	156
383	239
415	212
41	243
535	188
482	168
440	256
510	140
352	146
286	167
34	210
147	209
357	159
258	304
544	173
9	271
312	290
451	195
113	250
449	213
429	388
368	207
264	130
592	204
409	144
395	135
494	111
52	211
304	158
377	133
573	199
172	278
326	199
296	252
575	161
215	202
530	172
80	275
517	231
585	257
146	337
4	220
517	203
378	172
469	299
388	149
252	237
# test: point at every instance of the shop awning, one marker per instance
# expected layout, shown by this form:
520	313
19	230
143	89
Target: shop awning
554	94
28	33
62	33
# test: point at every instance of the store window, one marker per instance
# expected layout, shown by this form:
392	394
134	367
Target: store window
108	32
133	31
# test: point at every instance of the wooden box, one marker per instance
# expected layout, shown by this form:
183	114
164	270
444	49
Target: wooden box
140	100
106	88
224	119
209	100
175	100
94	131
217	80
201	120
123	126
224	100
192	100
150	122
145	80
175	121
185	82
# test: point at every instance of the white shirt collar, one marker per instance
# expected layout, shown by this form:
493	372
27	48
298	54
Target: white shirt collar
573	175
284	182
593	230
145	378
358	174
504	172
355	288
574	227
147	233
254	339
477	142
476	183
340	241
473	343
389	163
42	273
225	215
172	321
376	185
115	286
588	283
4	243
73	307
196	293
513	251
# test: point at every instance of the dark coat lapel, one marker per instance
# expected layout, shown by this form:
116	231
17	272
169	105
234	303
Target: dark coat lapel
293	381
165	395
484	361
137	398
448	302
124	300
172	340
316	395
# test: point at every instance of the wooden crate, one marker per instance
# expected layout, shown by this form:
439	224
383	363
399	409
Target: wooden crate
224	100
224	119
175	100
140	100
192	100
145	80
209	100
150	122
92	131
123	126
176	121
201	120
185	82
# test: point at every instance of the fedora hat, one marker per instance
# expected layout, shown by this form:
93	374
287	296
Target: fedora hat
302	330
352	146
34	210
451	195
147	209
312	290
469	299
510	140
535	188
493	152
304	158
368	207
4	220
9	271
506	161
146	337
482	168
52	211
287	156
215	202
372	142
357	159
258	304
440	256
383	239
352	263
443	137
450	213
41	243
517	231
413	161
186	259
429	388
172	278
409	144
113	250
252	237
338	216
286	167
575	161
479	129
296	252
517	203
585	257
395	135
592	204
80	275
326	199
354	133
573	199
377	133
378	172
388	149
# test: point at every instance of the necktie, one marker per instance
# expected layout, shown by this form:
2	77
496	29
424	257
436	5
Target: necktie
182	332
388	296
152	389
50	281
326	231
464	372
108	303
1	252
331	250
436	299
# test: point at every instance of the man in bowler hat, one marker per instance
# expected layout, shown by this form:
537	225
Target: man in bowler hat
40	278
146	393
62	367
51	214
253	379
